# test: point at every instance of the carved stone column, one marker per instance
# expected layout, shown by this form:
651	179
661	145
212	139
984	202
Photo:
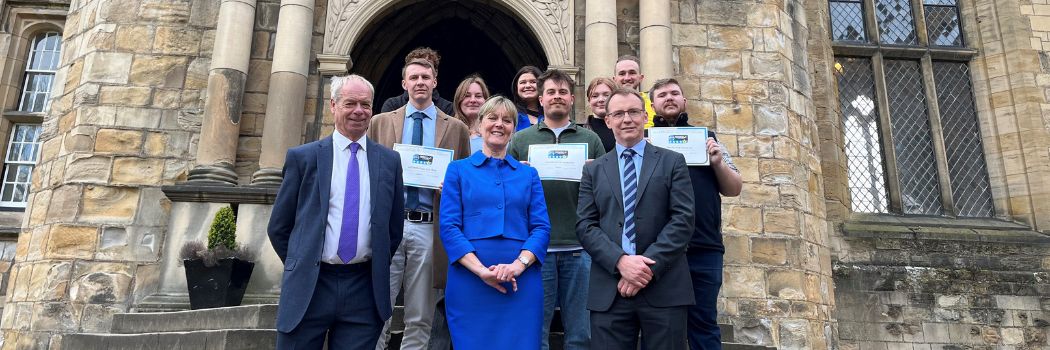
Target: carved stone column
655	37
599	50
287	95
217	150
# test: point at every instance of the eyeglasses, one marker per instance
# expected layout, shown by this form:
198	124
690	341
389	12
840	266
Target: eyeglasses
633	113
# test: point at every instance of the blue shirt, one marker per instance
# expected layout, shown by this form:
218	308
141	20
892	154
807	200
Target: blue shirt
426	195
489	197
639	150
524	122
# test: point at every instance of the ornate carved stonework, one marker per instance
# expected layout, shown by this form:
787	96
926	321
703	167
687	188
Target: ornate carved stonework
550	20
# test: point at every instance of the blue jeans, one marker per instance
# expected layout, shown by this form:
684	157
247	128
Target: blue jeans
566	276
705	268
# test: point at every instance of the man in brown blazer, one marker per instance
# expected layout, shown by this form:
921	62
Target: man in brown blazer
420	262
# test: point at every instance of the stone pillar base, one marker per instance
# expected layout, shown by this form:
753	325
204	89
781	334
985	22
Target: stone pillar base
220	173
267	177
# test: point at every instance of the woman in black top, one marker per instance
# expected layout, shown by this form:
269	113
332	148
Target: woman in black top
598	92
527	96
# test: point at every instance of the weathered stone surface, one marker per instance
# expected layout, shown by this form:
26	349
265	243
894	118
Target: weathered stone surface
177	41
771	120
727	37
130	37
125	95
100	282
108	67
769	251
109	204
118	11
137	171
167	98
166	11
118	141
159	71
786	284
744	282
743	219
48	281
94	169
63	204
68	241
59	317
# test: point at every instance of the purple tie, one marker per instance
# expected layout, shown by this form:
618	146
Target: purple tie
351	203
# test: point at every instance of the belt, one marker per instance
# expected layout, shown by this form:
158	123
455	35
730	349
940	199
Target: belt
364	265
424	217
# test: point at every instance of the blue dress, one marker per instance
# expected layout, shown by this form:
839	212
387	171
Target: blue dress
524	122
493	208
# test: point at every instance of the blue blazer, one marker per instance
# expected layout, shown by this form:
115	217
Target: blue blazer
300	212
481	200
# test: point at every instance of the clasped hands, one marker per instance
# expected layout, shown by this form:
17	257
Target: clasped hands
635	274
502	273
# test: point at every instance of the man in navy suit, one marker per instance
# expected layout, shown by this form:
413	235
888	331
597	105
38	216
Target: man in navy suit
335	224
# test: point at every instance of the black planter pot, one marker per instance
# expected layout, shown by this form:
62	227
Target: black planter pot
217	286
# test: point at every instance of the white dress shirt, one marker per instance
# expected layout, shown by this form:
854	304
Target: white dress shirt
340	161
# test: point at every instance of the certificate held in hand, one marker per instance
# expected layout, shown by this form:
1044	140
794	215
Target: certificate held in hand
423	166
689	141
563	161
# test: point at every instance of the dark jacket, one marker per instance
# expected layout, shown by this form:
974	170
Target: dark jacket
598	126
707	231
401	100
561	196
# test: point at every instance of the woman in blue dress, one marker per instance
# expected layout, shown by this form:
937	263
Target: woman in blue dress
495	228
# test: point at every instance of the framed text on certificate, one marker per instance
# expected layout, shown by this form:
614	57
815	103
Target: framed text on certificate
423	166
561	161
690	141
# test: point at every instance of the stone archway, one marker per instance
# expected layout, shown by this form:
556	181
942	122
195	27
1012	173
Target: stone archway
471	38
550	22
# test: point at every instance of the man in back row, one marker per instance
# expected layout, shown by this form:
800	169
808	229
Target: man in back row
629	75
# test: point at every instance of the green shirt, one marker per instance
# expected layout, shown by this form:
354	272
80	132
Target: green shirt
561	196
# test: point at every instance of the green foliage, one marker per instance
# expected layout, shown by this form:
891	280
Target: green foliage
223	232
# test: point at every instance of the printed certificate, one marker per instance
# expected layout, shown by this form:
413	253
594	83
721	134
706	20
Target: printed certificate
423	166
563	161
689	141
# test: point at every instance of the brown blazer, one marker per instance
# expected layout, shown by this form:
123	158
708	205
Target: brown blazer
451	133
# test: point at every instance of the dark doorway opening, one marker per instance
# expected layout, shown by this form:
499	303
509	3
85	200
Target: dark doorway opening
471	37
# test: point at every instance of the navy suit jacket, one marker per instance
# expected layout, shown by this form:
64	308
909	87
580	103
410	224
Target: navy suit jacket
300	212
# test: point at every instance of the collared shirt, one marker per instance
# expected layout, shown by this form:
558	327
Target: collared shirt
426	195
639	150
340	162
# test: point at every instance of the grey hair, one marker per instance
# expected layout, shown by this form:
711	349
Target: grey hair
338	82
496	103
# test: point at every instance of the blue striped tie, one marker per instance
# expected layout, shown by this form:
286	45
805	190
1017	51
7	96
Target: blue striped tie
630	196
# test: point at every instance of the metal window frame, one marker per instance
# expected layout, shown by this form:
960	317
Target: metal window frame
32	56
926	54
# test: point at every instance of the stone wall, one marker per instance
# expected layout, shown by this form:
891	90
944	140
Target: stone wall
745	72
901	286
124	122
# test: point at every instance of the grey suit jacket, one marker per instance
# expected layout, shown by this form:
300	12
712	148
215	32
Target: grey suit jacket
664	222
300	212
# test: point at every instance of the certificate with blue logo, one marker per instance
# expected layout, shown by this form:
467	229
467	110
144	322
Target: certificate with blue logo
562	161
423	166
689	141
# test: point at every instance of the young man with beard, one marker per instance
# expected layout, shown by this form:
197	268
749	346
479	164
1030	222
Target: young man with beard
567	266
420	263
705	247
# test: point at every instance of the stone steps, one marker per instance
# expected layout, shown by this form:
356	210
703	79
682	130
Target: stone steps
234	328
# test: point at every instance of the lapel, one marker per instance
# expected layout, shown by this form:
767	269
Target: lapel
651	157
324	170
399	124
374	173
440	125
612	174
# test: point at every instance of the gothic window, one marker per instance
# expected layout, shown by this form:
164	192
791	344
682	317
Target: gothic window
23	151
912	141
43	60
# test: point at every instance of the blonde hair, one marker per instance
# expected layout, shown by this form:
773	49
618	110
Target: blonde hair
497	103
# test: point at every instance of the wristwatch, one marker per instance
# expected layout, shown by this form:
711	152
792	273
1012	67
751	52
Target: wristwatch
524	260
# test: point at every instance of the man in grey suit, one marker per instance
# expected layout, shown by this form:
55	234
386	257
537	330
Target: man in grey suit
335	224
635	220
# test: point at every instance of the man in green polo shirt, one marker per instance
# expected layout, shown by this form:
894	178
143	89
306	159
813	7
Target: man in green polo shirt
566	268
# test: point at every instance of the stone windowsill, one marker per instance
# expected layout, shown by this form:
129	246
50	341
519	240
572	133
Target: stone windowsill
24	117
940	228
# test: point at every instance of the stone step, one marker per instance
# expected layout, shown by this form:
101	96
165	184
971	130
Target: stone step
236	317
227	339
738	346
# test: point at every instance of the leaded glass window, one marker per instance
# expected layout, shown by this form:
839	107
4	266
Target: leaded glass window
23	151
41	65
847	21
912	137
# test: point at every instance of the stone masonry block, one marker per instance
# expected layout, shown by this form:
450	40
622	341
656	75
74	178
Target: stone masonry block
101	282
743	282
176	41
69	241
108	67
118	141
130	37
769	251
784	221
88	169
785	284
742	219
103	204
137	171
159	71
125	95
734	118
